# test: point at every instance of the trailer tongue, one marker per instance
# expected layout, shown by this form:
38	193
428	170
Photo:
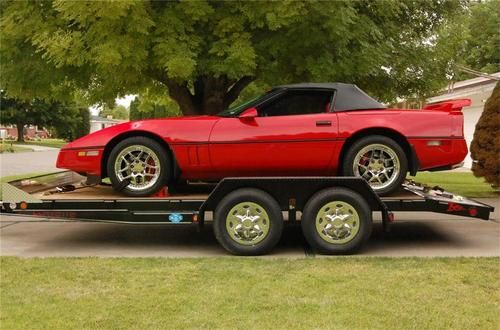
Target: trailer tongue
247	212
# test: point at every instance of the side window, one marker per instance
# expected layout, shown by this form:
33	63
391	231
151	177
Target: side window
297	103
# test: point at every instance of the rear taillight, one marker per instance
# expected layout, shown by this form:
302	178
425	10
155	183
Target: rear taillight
457	123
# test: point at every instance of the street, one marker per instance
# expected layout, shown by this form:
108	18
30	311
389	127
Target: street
413	234
41	161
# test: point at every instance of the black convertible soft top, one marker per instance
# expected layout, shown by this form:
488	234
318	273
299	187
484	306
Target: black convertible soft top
347	96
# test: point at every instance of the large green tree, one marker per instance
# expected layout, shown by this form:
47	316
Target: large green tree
18	112
204	53
67	120
482	40
70	122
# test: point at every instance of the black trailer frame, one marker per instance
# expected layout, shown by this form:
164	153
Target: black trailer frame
291	193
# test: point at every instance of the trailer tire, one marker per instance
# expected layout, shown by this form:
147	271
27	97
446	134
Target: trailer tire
336	221
248	222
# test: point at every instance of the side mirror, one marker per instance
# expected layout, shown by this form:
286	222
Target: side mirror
249	113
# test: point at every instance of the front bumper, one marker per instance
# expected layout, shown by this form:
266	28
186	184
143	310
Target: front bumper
82	160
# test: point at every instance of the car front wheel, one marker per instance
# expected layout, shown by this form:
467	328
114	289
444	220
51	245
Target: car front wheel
138	166
379	160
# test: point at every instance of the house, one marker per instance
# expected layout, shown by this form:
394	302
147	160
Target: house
98	123
31	132
478	90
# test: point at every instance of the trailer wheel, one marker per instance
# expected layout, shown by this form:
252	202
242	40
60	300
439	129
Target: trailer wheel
336	221
248	222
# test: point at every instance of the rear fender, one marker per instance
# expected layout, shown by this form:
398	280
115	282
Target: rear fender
413	163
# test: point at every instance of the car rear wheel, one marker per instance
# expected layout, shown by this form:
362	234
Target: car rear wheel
248	222
138	166
379	160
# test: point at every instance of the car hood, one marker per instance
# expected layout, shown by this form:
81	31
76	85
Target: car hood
176	129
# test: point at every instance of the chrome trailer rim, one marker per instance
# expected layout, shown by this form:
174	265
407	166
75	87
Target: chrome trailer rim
377	164
139	165
337	222
247	223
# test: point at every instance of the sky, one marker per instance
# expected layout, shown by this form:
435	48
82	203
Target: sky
125	101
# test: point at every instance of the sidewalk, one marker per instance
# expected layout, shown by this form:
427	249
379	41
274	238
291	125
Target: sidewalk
39	148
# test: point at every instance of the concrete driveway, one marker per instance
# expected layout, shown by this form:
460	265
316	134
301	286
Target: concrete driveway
413	234
40	161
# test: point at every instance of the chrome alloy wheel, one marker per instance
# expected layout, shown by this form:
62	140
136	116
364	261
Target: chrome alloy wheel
139	165
337	222
247	223
377	164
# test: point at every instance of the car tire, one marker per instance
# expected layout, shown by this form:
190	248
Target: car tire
146	160
379	148
323	223
238	232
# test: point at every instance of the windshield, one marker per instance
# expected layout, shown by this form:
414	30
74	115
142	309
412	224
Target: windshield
236	110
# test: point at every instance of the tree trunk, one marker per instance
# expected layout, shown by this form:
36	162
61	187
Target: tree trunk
211	94
235	91
182	95
20	132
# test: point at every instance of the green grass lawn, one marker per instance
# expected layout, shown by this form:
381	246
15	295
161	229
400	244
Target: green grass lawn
13	148
55	143
9	178
239	293
462	183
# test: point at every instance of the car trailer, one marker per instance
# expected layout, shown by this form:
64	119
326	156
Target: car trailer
247	213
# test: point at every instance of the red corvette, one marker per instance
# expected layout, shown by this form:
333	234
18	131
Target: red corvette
294	130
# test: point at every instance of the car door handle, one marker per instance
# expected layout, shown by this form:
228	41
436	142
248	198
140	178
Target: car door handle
324	123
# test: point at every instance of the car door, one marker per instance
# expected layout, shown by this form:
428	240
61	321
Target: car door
293	134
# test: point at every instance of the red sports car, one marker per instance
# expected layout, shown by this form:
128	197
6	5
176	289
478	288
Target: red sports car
294	130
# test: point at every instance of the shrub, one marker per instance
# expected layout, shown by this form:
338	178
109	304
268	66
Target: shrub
485	147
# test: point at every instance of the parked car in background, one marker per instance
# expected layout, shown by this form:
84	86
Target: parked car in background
308	129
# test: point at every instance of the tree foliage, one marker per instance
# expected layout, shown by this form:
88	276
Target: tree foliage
21	113
485	146
204	53
71	123
481	51
67	120
148	105
116	112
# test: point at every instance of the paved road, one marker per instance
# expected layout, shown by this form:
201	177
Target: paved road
413	234
28	162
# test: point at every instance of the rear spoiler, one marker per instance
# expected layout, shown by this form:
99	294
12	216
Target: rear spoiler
448	106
